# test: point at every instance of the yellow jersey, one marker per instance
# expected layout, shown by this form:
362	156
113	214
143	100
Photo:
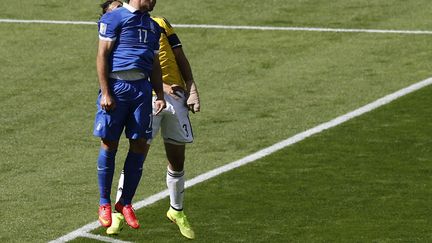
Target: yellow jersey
170	71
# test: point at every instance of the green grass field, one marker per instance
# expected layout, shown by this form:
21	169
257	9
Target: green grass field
365	181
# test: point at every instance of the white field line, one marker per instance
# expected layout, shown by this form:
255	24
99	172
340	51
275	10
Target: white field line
236	27
83	231
102	238
36	21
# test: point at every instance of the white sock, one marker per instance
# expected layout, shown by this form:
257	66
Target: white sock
120	186
175	183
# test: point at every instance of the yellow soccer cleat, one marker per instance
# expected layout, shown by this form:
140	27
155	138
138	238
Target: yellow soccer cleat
179	218
116	225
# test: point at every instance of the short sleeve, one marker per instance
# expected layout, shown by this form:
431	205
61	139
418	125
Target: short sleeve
167	27
173	39
108	26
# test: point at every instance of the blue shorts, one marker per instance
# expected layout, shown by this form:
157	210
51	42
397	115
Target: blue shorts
133	111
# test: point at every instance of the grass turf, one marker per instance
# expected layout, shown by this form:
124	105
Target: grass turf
257	88
364	181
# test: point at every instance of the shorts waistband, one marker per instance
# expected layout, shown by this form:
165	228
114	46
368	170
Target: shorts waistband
129	75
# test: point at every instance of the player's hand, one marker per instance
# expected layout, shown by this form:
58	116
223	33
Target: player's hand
174	90
107	102
193	101
159	105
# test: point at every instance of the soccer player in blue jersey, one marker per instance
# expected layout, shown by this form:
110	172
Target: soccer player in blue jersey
181	94
127	58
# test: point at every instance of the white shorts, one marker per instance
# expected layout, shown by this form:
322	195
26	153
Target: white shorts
173	121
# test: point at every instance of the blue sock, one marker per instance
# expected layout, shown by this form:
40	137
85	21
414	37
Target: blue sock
105	170
132	174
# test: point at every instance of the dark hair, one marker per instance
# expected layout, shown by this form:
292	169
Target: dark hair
105	5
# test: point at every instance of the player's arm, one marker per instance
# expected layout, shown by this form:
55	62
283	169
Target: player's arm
105	47
156	81
193	101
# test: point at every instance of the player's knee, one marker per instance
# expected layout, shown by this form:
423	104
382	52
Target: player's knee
138	146
173	142
109	145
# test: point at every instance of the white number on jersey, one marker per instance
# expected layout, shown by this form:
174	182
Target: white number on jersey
142	35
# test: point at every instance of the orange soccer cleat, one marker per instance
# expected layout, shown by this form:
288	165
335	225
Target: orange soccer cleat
105	215
129	214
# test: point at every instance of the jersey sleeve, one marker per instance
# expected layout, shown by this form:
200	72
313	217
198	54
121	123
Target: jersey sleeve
108	26
173	39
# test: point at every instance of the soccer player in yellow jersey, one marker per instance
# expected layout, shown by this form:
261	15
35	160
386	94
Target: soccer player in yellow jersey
181	95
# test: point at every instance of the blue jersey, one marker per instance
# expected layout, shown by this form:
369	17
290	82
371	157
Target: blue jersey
136	38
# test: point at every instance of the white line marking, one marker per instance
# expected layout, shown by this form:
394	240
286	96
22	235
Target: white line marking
103	238
35	21
300	136
237	27
83	231
240	27
78	232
